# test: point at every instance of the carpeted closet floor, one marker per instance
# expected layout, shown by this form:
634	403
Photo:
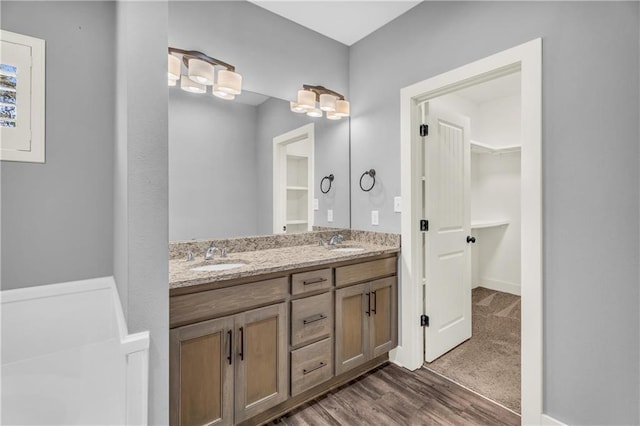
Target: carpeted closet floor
489	362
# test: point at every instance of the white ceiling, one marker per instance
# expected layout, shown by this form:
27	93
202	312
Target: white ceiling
343	21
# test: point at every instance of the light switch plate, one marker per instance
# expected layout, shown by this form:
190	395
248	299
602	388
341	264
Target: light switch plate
374	217
329	215
315	204
397	204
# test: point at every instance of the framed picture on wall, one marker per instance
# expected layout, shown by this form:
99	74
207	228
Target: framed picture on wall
22	101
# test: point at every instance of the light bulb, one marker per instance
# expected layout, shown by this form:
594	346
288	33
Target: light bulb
173	67
295	107
306	99
191	86
316	112
222	95
201	72
327	102
342	108
229	82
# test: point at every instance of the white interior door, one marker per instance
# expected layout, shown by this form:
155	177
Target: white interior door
447	260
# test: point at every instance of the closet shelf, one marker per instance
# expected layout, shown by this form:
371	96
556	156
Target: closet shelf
480	224
482	148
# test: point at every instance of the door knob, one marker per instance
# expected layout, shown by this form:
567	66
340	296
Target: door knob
471	239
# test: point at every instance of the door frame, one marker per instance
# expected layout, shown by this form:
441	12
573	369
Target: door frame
526	58
280	143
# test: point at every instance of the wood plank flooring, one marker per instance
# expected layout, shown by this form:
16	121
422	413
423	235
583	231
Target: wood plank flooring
391	395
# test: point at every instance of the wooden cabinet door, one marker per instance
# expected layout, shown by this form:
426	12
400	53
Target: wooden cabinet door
383	330
261	360
201	379
352	327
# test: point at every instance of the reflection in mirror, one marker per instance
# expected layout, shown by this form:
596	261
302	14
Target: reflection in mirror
225	181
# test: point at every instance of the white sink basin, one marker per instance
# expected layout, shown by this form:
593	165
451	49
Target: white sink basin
348	249
218	267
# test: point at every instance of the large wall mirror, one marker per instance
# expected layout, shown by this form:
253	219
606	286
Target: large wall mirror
252	167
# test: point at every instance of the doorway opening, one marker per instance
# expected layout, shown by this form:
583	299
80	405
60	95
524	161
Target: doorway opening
293	160
525	59
471	255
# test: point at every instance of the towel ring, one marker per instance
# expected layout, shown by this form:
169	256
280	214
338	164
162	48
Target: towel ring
330	179
371	173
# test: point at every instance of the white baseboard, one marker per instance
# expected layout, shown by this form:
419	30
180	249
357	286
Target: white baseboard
398	356
546	420
504	286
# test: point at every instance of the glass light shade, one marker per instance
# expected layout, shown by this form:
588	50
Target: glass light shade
222	95
173	82
295	107
306	99
342	108
189	85
316	112
229	82
201	72
327	102
333	116
173	67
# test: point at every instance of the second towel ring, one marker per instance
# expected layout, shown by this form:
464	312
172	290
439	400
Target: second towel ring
371	173
330	179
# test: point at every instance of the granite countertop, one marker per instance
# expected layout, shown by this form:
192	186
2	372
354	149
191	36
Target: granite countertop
267	261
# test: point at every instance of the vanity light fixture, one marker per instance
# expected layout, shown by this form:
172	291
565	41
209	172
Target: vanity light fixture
313	100
201	73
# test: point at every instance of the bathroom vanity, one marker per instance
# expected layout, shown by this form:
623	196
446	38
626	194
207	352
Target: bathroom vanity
249	344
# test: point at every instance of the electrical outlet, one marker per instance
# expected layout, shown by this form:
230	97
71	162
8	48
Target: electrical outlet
397	204
315	204
374	217
329	215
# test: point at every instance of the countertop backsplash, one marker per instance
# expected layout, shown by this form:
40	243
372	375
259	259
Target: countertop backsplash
179	249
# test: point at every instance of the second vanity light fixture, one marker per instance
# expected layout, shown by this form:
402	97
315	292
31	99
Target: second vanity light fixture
333	103
201	73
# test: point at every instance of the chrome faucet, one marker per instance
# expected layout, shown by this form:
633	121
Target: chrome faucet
223	252
336	239
210	252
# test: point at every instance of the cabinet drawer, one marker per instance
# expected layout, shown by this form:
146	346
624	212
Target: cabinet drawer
311	317
311	365
311	281
365	271
205	305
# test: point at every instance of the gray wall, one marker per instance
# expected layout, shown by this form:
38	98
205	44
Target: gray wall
97	207
57	217
590	172
212	169
141	186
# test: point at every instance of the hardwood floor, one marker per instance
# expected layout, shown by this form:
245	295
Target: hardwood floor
391	395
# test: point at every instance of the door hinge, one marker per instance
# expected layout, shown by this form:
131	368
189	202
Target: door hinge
424	225
424	320
424	130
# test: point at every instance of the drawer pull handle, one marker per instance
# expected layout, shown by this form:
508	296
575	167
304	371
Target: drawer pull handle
241	344
322	364
375	302
314	281
314	318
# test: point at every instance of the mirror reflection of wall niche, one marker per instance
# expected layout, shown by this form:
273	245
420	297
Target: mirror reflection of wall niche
221	164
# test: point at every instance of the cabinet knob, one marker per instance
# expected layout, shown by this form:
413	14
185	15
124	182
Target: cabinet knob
471	239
